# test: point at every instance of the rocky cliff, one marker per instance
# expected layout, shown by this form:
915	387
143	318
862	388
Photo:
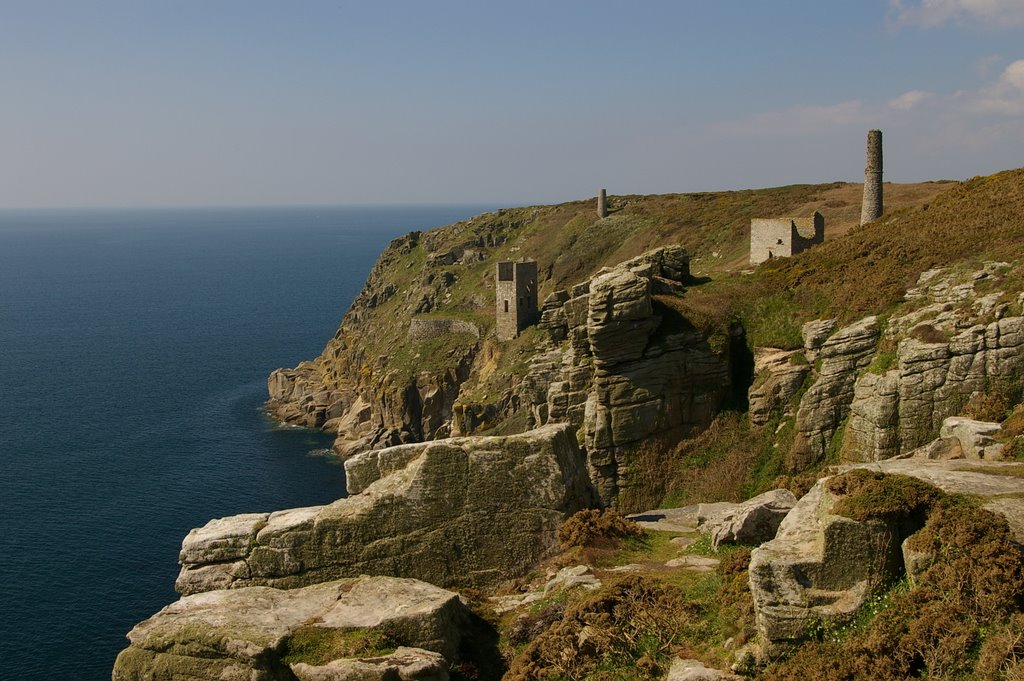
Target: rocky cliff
469	511
955	342
622	356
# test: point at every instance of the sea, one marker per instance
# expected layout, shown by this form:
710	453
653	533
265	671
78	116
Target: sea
134	350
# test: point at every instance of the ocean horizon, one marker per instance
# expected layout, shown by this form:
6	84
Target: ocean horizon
134	349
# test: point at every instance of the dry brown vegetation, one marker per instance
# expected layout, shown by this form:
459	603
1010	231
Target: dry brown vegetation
962	618
596	528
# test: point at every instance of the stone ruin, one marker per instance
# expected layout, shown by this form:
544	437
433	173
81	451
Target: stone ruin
602	203
516	299
871	207
783	237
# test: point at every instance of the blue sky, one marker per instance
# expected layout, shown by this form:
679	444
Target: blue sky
146	103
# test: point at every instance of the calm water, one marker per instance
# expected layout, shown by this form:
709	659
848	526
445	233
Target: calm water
134	348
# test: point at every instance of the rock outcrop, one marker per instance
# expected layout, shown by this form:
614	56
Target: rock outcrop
464	511
780	375
264	634
827	402
956	343
631	366
821	566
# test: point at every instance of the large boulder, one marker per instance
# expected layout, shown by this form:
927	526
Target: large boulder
317	632
976	438
822	566
819	567
751	522
468	511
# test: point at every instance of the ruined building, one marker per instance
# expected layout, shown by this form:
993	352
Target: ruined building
871	208
602	204
516	304
783	237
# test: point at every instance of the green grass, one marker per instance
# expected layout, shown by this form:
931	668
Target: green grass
319	645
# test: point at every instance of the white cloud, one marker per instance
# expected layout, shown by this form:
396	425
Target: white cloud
908	100
1005	95
798	119
933	13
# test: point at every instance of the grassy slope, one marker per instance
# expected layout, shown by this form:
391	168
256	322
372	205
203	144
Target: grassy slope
868	269
571	244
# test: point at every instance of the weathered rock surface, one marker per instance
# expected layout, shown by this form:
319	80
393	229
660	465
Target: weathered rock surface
464	511
827	402
248	633
751	522
821	566
958	345
405	664
976	438
779	380
694	670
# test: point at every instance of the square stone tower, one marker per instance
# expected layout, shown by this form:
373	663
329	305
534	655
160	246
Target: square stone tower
516	288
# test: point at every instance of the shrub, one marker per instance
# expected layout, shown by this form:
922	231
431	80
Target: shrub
626	630
964	618
865	495
799	484
926	333
594	527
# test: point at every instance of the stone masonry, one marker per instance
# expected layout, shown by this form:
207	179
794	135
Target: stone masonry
871	208
783	237
516	299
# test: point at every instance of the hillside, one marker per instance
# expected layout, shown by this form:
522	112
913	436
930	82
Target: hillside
374	385
832	444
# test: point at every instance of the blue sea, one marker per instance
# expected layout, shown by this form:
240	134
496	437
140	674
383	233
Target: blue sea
134	350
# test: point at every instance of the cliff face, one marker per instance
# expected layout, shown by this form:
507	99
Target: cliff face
467	512
415	358
955	344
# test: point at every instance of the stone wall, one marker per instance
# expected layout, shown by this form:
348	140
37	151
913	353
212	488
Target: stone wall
515	298
783	237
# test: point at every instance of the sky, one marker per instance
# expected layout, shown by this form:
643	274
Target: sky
253	102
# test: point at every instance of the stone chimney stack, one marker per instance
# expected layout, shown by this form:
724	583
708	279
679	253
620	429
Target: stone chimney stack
602	204
871	208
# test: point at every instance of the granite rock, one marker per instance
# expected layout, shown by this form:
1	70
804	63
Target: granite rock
246	633
464	511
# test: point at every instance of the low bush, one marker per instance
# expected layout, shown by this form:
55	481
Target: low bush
964	618
926	333
625	632
866	495
594	527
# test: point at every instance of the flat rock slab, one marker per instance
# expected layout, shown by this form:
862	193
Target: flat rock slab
405	664
694	563
468	511
243	633
682	520
695	670
683	542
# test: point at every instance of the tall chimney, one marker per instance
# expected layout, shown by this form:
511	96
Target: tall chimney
871	208
602	204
